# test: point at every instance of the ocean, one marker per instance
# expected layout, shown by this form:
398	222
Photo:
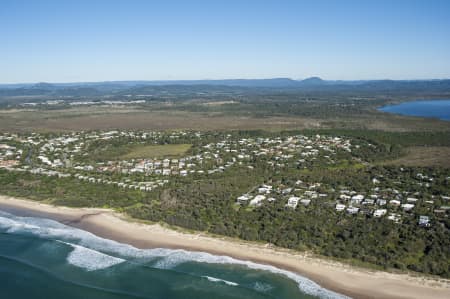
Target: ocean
42	258
431	108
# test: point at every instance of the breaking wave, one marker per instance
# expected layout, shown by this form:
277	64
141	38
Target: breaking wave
89	259
214	279
93	253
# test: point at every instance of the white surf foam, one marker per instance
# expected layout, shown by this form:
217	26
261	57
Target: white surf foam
214	279
91	260
165	258
175	257
262	287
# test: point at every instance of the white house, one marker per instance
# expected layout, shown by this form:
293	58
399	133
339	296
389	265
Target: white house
395	202
424	221
411	199
257	201
381	202
407	206
352	210
293	202
380	212
340	207
345	197
264	189
394	217
243	198
305	202
368	201
356	199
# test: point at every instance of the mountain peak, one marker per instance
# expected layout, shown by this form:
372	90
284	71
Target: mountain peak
312	81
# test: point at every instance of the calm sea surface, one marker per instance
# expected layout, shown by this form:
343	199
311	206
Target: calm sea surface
430	108
42	258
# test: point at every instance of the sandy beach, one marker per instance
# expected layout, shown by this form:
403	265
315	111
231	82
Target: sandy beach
342	278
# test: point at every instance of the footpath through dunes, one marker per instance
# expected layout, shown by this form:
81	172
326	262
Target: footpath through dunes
340	278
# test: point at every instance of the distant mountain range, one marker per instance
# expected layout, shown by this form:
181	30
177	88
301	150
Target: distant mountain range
313	84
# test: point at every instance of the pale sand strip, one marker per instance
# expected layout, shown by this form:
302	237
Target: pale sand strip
345	279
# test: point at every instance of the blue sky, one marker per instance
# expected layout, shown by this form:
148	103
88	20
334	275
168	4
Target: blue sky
69	41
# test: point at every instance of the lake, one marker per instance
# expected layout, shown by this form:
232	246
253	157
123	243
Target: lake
429	108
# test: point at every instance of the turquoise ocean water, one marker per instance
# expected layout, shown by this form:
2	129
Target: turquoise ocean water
42	258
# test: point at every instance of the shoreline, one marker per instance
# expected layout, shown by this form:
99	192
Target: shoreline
338	277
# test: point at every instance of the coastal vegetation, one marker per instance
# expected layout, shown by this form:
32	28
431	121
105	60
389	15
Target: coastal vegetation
315	168
321	169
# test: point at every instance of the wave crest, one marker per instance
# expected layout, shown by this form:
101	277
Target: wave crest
90	259
92	252
214	279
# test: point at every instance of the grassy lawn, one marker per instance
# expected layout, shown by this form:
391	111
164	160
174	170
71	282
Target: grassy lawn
156	151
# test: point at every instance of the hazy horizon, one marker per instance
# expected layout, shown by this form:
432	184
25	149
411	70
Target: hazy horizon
220	79
97	41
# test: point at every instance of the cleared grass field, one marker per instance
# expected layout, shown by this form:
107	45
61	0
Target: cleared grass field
424	156
156	151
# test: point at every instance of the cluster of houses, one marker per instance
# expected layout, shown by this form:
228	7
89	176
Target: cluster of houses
301	193
54	156
394	203
375	204
64	155
281	150
125	184
199	164
378	202
61	152
9	155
